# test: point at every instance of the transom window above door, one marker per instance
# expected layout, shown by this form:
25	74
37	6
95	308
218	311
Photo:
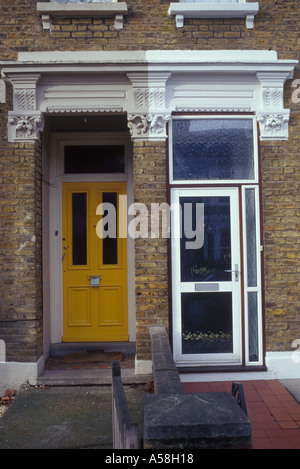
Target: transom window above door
213	149
104	159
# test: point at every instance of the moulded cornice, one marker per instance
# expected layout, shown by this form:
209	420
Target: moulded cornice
233	61
150	86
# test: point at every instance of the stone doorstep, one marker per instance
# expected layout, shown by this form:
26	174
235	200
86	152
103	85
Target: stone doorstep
197	420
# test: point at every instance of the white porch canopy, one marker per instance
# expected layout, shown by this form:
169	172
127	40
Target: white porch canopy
148	86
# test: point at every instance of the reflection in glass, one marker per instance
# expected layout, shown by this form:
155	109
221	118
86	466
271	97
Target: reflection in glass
213	149
110	244
79	228
209	262
253	326
207	322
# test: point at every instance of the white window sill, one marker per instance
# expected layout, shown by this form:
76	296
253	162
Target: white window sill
214	10
78	10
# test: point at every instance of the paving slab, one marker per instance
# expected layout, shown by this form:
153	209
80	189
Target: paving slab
293	386
64	417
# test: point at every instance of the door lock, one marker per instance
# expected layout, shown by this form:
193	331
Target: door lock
64	252
235	271
94	280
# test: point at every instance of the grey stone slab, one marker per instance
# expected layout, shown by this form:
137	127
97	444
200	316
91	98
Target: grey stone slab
166	376
162	357
293	386
197	420
167	381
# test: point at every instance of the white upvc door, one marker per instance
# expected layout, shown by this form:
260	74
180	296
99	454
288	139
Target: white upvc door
206	276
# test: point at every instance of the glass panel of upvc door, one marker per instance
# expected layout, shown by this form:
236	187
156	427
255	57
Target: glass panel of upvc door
252	284
206	276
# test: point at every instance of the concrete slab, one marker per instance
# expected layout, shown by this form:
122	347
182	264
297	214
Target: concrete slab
197	420
64	417
293	386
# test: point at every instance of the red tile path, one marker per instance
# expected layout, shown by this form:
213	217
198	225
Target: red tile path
273	412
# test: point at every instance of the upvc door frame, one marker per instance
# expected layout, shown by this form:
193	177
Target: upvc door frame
178	287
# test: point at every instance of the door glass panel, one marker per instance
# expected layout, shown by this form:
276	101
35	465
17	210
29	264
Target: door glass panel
110	243
207	323
94	159
79	228
251	238
209	262
253	326
218	149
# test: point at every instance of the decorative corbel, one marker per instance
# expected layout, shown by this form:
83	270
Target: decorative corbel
274	126
25	122
24	127
272	117
148	117
148	126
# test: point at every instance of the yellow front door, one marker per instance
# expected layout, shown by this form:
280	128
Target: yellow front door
94	267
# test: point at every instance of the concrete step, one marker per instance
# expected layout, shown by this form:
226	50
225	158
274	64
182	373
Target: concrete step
59	350
88	377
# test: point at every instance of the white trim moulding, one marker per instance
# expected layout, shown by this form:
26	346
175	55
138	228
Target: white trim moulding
214	10
80	10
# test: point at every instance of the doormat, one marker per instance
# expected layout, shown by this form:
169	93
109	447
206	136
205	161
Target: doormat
92	357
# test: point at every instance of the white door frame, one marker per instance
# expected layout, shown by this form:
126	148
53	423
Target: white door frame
54	242
179	287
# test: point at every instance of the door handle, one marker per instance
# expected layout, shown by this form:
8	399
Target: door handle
235	271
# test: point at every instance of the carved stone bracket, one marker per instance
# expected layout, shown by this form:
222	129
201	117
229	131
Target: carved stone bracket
148	126
272	117
273	126
25	122
24	127
149	116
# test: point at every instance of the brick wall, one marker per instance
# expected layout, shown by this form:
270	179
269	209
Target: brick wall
149	170
148	27
281	219
20	267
